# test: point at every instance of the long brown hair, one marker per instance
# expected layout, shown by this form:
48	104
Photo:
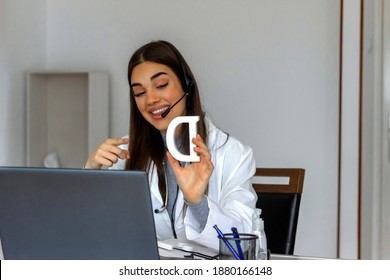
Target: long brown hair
146	145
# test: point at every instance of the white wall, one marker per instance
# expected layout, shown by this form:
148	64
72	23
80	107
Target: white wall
375	225
22	47
385	162
372	130
268	72
349	157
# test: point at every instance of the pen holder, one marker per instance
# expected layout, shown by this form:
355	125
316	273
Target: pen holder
245	242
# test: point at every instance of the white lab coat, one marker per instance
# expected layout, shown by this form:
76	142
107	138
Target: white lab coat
231	198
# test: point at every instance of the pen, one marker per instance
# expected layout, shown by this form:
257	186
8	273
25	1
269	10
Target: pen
239	249
220	234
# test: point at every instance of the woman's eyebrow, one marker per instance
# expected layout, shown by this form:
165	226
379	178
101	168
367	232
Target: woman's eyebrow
157	75
151	78
135	84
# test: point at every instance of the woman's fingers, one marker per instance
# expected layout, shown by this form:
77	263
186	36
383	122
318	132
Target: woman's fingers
193	178
172	161
201	148
113	149
107	153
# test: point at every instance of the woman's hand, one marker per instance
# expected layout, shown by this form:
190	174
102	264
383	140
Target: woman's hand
193	179
107	153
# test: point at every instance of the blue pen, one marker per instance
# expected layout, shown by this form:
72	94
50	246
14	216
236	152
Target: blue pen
239	249
220	234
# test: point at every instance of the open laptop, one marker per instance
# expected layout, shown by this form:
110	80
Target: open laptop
77	214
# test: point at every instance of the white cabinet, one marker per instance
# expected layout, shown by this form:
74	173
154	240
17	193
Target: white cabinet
67	115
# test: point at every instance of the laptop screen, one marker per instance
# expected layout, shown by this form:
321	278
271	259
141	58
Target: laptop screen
76	214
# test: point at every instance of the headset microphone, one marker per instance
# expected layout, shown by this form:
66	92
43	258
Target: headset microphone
190	84
169	109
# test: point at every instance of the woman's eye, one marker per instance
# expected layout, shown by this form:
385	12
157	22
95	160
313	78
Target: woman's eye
138	94
162	86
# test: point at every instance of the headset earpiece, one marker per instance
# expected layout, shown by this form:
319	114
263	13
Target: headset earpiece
189	83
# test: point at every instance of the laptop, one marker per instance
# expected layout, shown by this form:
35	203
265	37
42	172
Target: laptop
76	214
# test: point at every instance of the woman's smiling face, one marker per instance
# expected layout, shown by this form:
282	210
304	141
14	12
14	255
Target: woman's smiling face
156	88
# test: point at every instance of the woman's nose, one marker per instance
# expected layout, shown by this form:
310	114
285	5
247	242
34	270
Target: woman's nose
152	97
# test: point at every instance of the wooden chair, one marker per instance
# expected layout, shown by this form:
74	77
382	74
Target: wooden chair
280	206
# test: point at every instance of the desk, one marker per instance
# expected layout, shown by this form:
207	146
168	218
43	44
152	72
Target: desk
170	256
293	257
185	250
179	255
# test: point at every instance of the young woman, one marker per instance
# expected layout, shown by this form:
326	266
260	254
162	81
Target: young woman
188	198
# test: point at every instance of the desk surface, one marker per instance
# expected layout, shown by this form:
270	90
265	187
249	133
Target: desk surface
272	257
293	257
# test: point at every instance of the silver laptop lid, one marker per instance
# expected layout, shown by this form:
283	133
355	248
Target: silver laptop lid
76	214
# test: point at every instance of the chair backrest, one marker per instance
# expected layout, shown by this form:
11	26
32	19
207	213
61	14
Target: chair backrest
280	206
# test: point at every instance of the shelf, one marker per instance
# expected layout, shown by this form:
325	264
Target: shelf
67	114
